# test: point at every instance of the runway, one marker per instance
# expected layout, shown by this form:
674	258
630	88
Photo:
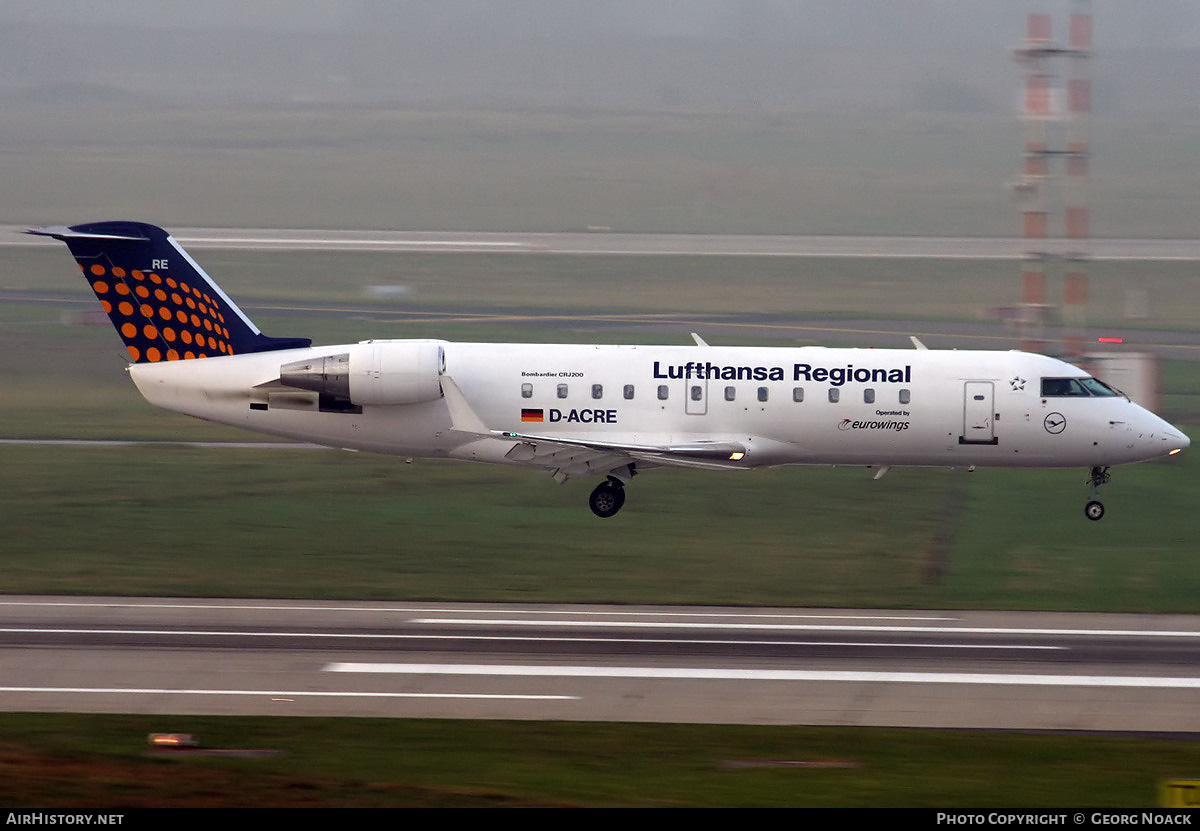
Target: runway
1005	670
879	333
610	243
977	334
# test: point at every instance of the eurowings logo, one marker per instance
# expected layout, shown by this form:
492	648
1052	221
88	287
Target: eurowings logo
852	424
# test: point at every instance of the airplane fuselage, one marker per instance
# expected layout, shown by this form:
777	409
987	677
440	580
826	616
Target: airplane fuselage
607	411
808	405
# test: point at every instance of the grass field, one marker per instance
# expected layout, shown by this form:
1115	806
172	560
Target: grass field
175	520
164	520
100	763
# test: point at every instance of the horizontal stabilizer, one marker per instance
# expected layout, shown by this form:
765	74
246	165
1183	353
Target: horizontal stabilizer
62	232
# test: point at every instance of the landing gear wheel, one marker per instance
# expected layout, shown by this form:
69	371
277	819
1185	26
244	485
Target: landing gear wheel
1094	510
607	499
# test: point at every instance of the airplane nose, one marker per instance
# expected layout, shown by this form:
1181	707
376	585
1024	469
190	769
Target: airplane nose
1176	441
1160	436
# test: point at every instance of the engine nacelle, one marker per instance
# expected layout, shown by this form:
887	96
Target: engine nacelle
373	372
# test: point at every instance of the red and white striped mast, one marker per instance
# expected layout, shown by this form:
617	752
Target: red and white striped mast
1042	105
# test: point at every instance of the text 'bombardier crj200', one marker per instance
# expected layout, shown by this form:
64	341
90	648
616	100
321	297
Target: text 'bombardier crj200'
609	411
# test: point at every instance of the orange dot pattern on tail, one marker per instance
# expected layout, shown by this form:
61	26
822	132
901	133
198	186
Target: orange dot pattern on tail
155	314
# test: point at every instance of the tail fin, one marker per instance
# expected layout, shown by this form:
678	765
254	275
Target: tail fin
163	305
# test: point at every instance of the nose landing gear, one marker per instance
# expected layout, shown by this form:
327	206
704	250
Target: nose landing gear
1094	509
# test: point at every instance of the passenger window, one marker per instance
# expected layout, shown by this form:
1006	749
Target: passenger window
597	390
797	394
730	393
868	396
834	395
662	392
527	390
905	396
762	393
697	392
628	392
562	390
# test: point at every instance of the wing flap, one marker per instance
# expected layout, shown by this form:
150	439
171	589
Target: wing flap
705	450
723	455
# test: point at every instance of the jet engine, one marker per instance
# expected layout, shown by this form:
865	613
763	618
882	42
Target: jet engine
373	372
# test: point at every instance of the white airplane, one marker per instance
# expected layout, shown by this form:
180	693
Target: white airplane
609	411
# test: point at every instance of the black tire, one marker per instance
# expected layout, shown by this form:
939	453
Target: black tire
1094	510
606	499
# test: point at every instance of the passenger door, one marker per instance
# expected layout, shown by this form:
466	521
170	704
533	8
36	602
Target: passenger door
978	413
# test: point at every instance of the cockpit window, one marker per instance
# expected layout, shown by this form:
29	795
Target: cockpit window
1097	387
1059	387
1063	387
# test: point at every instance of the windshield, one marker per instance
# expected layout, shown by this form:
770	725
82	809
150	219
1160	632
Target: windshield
1098	387
1079	387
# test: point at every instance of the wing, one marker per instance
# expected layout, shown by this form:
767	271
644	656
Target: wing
571	457
708	454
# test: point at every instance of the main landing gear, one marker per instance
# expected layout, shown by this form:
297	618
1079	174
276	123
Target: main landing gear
607	498
1094	509
609	495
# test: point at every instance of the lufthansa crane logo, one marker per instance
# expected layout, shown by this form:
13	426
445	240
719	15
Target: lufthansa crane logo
1055	423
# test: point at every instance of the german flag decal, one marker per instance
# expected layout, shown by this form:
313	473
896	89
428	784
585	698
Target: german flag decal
532	415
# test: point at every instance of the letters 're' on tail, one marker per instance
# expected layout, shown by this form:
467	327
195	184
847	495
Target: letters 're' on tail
161	302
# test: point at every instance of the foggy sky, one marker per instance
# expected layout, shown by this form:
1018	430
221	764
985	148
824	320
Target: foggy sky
759	54
797	116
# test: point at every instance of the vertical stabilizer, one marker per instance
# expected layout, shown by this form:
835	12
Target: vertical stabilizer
160	301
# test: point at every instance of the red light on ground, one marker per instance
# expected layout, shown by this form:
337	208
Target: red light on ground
1110	340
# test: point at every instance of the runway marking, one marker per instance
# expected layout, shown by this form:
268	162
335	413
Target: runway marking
602	613
400	316
506	638
125	604
221	445
299	244
813	627
717	674
693	245
280	694
586	613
